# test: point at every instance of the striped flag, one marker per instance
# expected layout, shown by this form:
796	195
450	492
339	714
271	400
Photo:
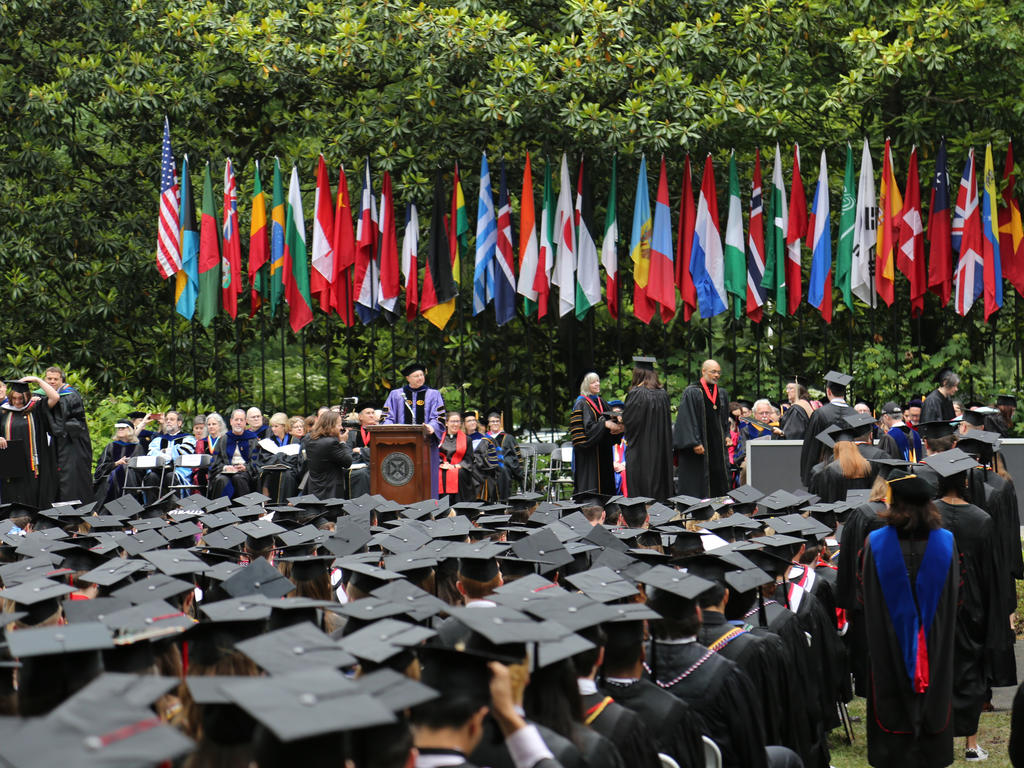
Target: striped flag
321	277
775	265
819	229
564	273
257	242
439	288
528	254
277	219
940	243
796	230
588	275
755	247
735	263
993	269
640	246
505	272
390	267
546	255
344	246
609	247
186	284
967	236
458	227
910	255
209	253
168	240
231	258
890	204
410	261
1011	233
864	232
661	287
486	240
296	265
706	259
367	268
684	245
847	220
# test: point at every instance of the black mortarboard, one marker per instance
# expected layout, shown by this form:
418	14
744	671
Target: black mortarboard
294	648
113	572
502	633
746	494
603	584
932	430
219	519
779	545
410	368
127	506
58	640
228	537
646	363
38	598
385	639
308	567
250	499
572	611
976	418
154	619
156	587
840	379
307	703
246	609
80	611
854	426
348	538
1009	400
144	541
676	583
175	562
258	577
910	487
416	603
394	690
543	548
364	576
951	462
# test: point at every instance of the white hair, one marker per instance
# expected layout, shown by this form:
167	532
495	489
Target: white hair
219	419
761	402
589	379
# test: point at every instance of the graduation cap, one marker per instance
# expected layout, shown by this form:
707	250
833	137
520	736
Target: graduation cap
951	462
113	572
673	590
125	506
746	494
736	526
459	677
258	577
17	385
574	612
143	541
394	690
260	533
297	647
542	548
778	544
308	567
416	603
779	502
228	538
175	562
934	430
1008	400
502	633
603	584
348	538
410	368
974	417
38	598
979	443
910	487
365	577
645	363
82	611
385	639
250	499
839	379
156	587
855	425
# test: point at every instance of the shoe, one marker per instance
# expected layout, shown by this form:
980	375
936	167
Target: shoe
976	755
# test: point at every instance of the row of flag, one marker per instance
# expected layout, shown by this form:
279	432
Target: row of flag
361	269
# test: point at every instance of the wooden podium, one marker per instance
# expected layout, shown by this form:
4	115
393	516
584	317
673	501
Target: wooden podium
400	469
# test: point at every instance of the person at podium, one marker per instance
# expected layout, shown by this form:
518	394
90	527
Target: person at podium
416	403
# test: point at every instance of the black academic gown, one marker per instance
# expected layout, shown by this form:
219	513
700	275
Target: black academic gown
623	728
31	426
701	422
937	407
73	447
676	727
906	729
978	622
232	483
813	450
794	422
648	421
109	478
492	752
280	484
831	485
327	458
721	692
592	447
499	464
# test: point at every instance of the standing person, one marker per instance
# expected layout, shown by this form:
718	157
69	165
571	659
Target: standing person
498	461
71	440
26	419
328	456
899	439
1002	422
416	403
832	413
471	426
619	452
796	417
277	472
909	580
648	422
702	425
938	406
359	442
593	434
456	475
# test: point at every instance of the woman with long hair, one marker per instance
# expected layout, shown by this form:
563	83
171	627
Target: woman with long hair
593	434
909	579
798	413
327	456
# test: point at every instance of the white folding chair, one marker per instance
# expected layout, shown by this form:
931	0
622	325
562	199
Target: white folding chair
139	467
712	754
667	761
192	462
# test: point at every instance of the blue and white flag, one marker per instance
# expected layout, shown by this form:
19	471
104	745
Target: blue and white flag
486	240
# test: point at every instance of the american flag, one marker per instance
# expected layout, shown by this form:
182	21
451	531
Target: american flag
168	242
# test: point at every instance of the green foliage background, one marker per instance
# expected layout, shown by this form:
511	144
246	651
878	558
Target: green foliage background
84	86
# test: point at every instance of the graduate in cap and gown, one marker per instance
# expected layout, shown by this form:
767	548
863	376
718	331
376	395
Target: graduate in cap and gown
850	468
701	429
909	577
828	415
648	421
593	435
25	425
416	403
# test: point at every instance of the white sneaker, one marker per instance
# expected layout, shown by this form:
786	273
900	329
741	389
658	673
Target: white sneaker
976	755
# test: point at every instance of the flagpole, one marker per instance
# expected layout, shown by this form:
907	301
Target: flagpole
394	368
711	332
284	388
995	316
174	356
195	367
238	359
1016	343
327	353
849	336
305	386
263	359
759	334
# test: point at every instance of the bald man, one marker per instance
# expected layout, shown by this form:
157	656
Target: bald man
698	438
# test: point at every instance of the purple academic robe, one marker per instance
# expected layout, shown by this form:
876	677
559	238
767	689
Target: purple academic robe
401	412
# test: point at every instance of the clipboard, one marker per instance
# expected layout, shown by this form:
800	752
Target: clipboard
14	460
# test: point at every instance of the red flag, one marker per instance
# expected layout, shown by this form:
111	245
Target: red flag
1011	236
940	243
390	269
323	233
231	258
889	206
796	230
755	247
344	243
684	244
661	287
910	256
258	247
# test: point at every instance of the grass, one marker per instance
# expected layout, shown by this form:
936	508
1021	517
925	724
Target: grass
993	735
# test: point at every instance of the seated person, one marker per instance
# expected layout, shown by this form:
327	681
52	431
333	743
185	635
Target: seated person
457	477
231	470
471	426
498	461
297	427
278	469
359	441
254	422
111	469
168	444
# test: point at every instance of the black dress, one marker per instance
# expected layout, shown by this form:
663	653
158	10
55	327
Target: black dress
31	426
648	421
592	446
73	447
499	464
700	421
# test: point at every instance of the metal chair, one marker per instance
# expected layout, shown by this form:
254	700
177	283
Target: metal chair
561	462
667	761
139	467
191	461
712	754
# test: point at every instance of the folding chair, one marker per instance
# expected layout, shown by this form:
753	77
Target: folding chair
193	462
138	468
